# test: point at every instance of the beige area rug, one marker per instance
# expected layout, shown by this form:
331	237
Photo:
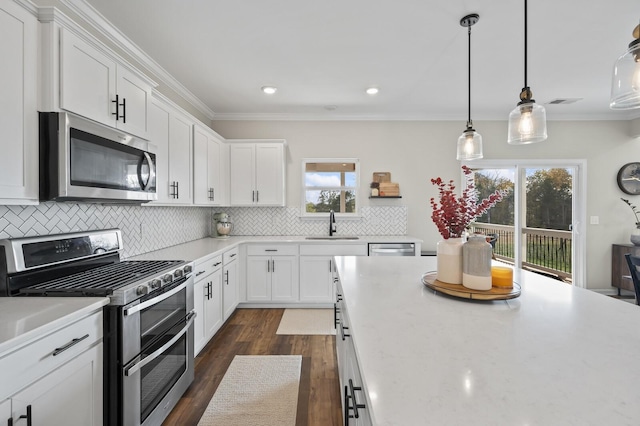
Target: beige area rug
306	321
260	390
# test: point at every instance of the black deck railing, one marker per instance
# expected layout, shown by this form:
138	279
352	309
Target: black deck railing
547	251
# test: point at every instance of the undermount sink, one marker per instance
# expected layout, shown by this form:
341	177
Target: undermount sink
333	237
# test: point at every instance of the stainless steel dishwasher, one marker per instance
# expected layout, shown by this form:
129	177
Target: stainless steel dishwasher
392	249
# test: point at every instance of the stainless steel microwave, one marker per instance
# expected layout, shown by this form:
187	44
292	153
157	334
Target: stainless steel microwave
81	160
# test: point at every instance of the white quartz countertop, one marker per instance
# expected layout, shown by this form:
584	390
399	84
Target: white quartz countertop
197	249
24	319
556	355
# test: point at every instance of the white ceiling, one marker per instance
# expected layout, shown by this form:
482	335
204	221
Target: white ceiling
323	54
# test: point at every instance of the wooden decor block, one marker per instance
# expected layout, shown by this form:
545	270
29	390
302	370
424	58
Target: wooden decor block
389	189
381	177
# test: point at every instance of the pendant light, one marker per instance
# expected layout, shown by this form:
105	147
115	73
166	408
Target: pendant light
528	121
625	87
470	141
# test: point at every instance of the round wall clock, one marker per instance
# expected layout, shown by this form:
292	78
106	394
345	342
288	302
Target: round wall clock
629	178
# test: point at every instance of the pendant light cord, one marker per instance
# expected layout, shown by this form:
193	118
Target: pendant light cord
469	124
525	43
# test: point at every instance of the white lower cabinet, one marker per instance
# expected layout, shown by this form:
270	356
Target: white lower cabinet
207	294
272	273
230	289
316	279
317	269
57	379
354	405
70	395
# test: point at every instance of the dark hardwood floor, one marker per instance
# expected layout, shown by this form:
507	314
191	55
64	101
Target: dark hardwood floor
253	332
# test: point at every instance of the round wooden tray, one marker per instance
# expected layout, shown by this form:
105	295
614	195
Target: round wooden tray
458	290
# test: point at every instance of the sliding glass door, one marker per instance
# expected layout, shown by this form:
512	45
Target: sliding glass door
539	225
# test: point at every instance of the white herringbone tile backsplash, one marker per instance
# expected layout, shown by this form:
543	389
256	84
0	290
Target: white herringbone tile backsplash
380	220
144	229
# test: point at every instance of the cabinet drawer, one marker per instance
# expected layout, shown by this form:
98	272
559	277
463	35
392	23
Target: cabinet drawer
229	255
33	361
207	265
333	250
272	250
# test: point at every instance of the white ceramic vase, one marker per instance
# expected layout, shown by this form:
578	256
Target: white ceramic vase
449	258
476	263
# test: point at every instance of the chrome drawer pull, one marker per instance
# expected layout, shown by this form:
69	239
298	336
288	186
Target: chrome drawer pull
74	342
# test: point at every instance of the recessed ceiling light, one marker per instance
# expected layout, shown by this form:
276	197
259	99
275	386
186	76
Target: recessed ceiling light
330	107
269	90
372	91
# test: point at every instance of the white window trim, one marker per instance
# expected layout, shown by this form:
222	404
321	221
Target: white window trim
323	216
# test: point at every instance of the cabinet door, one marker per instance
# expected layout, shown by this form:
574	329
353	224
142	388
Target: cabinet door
18	105
284	281
269	174
215	171
180	158
70	395
316	279
242	174
201	185
230	288
258	278
199	291
5	411
207	168
87	80
159	131
213	304
134	97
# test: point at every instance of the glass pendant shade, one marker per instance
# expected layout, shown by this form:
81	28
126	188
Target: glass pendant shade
469	145
527	124
625	86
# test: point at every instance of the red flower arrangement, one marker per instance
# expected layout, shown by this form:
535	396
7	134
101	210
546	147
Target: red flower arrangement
454	214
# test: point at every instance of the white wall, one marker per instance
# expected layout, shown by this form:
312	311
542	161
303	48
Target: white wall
414	152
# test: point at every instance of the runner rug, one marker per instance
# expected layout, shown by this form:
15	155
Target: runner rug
307	321
260	390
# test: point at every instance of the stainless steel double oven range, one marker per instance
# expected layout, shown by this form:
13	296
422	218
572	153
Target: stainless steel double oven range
148	330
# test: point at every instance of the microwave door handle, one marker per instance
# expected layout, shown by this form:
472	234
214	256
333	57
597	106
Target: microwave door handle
128	371
151	302
152	171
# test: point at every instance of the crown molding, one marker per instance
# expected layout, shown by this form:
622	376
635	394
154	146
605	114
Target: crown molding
28	5
117	37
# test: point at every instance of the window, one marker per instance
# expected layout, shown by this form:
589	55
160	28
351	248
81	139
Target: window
329	184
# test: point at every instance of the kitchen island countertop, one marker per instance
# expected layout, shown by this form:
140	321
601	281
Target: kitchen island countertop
557	355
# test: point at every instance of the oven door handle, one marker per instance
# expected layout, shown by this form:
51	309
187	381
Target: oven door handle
151	302
128	371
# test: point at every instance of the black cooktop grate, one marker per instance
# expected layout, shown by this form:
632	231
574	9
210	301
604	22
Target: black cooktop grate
105	279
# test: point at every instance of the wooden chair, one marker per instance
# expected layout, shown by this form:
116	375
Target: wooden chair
634	265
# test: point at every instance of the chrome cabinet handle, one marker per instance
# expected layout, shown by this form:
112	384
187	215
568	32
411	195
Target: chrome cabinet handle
273	266
128	371
73	342
257	196
268	266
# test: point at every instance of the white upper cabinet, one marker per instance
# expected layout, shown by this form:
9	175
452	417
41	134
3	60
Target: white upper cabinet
171	132
257	172
210	167
18	105
96	86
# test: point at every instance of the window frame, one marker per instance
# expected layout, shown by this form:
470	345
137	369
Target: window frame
304	188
